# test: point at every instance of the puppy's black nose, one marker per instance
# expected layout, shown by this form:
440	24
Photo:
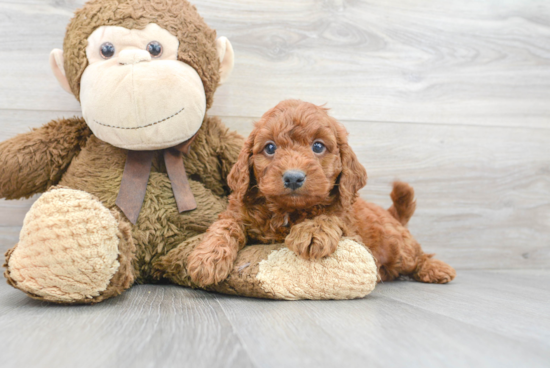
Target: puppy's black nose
294	179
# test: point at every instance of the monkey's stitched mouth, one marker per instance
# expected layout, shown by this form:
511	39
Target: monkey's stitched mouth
143	126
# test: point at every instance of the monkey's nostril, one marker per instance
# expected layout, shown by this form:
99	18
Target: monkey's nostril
294	179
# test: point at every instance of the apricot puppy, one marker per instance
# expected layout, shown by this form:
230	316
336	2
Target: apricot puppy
296	181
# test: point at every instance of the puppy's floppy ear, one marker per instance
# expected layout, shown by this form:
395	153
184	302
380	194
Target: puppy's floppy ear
353	176
239	176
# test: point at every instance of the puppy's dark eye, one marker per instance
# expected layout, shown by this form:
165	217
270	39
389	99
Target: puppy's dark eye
107	50
318	147
270	149
155	49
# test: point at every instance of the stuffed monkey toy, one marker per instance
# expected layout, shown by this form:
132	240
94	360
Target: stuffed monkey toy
131	186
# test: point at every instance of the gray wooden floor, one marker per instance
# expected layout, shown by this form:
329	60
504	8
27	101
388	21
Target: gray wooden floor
483	319
453	97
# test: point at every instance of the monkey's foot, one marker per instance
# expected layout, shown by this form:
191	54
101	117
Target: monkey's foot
72	249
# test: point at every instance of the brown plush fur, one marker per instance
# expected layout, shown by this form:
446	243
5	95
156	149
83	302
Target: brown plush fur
32	162
125	276
98	168
65	152
197	41
311	219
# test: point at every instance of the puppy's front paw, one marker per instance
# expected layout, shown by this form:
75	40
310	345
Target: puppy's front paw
311	241
210	266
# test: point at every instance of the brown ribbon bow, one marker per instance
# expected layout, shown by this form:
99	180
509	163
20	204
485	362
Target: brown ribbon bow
136	175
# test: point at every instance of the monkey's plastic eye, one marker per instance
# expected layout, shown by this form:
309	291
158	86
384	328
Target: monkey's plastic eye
107	50
155	49
318	147
270	149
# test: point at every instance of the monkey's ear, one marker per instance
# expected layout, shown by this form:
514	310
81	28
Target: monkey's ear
56	63
227	58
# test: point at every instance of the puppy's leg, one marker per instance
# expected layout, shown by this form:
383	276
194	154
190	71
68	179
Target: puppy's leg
316	238
412	261
433	271
212	260
396	251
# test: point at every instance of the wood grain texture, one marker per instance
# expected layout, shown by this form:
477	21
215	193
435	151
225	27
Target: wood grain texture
483	194
511	298
375	331
150	326
464	62
9	236
482	319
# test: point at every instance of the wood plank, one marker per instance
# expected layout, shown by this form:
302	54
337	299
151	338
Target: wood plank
9	236
483	192
516	301
468	62
463	324
69	4
372	332
160	326
12	213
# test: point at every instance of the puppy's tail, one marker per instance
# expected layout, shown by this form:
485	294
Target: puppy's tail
404	204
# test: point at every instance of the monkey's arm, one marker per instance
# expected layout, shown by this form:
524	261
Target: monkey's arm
32	162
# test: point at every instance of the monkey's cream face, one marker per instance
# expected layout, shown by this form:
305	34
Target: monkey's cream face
135	94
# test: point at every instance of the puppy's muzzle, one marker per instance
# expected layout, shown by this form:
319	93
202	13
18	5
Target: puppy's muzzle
294	179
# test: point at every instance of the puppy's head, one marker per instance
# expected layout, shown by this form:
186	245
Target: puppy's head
298	156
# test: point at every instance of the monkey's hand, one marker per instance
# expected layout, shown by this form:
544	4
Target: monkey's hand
226	145
32	162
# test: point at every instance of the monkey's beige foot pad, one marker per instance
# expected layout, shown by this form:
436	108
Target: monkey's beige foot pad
67	250
349	273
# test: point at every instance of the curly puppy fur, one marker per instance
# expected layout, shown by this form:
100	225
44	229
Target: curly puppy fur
312	218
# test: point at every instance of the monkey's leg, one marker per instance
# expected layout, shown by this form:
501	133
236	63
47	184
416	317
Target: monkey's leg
275	272
71	250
